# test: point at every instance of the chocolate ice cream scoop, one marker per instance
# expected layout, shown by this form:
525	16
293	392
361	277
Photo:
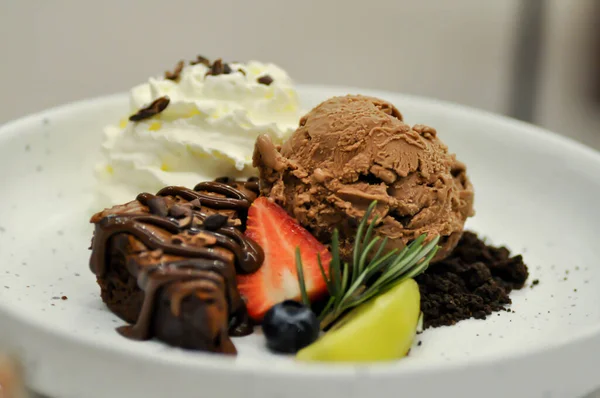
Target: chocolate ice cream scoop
349	151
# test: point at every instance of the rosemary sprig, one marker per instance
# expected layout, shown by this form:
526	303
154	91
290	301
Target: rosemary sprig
301	281
350	286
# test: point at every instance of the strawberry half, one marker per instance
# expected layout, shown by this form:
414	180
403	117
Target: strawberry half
277	280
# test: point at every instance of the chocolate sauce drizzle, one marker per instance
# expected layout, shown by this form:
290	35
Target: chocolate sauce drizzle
181	250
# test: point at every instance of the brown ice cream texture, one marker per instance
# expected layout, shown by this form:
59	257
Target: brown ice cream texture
349	151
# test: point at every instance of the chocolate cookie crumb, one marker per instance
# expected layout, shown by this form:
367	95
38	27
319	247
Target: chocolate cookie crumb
266	80
201	60
176	72
64	298
156	107
474	281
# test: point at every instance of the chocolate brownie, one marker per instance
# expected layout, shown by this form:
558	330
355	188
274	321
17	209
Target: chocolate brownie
167	264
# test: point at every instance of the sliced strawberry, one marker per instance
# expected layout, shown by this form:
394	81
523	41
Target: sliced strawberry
277	280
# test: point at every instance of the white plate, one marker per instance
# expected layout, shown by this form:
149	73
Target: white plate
535	192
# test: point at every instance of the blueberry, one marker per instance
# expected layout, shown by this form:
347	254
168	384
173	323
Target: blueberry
290	326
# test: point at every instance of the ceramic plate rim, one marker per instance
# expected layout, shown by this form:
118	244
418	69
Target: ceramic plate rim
199	360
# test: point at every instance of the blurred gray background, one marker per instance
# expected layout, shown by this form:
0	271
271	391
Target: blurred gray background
538	60
534	59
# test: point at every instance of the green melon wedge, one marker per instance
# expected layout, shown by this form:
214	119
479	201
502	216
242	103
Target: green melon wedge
381	329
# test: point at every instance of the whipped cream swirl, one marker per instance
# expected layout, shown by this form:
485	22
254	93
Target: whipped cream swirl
208	130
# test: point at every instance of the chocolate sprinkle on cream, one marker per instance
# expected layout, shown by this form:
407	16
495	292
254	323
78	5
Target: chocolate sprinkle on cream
156	107
266	80
201	60
176	72
219	68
